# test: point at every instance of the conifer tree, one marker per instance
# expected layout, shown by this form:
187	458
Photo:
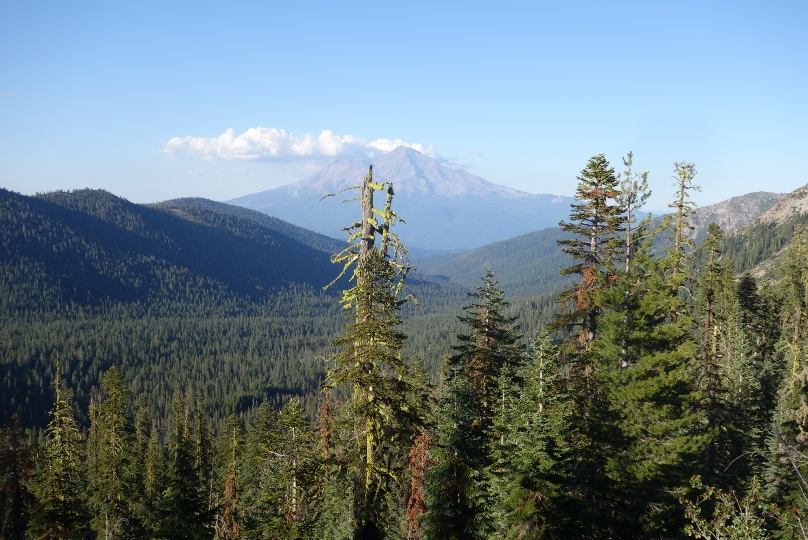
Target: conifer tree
228	520
633	195
421	404
183	509
111	461
754	373
145	482
154	475
334	501
787	469
534	495
288	477
795	293
681	242
596	222
418	467
59	481
369	361
16	468
261	439
471	435
457	499
652	394
489	353
714	303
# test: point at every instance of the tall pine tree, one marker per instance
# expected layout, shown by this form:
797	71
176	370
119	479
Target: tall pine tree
369	361
112	462
59	481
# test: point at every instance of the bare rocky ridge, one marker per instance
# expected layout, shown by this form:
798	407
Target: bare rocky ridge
789	205
734	212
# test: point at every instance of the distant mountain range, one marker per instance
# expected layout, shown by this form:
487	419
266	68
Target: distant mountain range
445	208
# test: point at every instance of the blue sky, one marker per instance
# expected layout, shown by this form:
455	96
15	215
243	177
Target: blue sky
520	93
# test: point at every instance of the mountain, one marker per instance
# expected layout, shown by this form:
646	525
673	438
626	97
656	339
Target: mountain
91	247
444	208
788	207
528	265
760	245
734	212
525	266
309	238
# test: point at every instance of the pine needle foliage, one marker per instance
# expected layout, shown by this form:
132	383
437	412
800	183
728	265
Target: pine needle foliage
534	496
456	494
489	352
58	485
681	244
113	462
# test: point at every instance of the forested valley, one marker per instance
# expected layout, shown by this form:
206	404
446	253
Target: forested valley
176	371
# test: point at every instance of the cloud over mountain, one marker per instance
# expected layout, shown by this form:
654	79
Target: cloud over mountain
274	144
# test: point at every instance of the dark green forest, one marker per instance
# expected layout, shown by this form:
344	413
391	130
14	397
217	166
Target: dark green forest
184	370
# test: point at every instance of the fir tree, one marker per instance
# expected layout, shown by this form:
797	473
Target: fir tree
787	469
183	509
111	444
633	195
421	404
154	476
228	520
680	241
261	439
287	481
485	365
595	221
145	483
652	395
59	481
714	303
534	492
488	353
369	361
457	499
16	468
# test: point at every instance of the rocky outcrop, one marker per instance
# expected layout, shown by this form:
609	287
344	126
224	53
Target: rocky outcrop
735	212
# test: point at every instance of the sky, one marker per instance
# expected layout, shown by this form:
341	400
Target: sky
158	100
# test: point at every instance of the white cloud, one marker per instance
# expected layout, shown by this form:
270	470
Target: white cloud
279	145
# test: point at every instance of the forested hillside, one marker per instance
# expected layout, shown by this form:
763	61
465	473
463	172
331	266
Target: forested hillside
175	295
201	385
304	236
525	266
761	246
